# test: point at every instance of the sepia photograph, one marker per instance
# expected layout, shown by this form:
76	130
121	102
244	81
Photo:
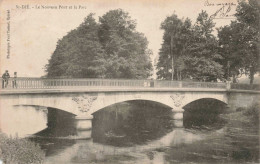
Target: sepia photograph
129	81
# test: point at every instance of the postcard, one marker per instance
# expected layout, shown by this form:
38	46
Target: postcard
129	81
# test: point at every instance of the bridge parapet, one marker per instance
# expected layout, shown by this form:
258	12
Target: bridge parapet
45	83
31	83
245	86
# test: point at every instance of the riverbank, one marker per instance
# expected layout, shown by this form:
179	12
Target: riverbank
19	150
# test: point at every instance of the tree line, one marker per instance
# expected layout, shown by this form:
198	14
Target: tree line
190	51
112	48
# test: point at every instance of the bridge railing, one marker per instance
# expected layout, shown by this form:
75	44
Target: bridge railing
42	83
31	83
185	84
203	85
239	86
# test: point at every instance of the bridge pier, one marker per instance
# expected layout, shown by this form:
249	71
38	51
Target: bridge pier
84	126
177	117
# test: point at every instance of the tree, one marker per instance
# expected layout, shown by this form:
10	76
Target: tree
79	53
248	14
175	40
126	49
232	49
239	41
109	49
189	51
203	60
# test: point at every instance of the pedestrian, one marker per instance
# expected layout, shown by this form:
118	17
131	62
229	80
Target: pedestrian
14	80
5	79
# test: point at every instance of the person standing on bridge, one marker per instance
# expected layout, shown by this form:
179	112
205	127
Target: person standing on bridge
14	80
5	79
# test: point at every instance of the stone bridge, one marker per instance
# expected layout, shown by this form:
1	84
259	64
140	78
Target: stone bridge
83	97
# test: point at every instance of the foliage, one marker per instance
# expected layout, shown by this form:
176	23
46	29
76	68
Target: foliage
111	48
253	112
249	13
190	49
16	150
203	60
126	50
239	41
79	53
175	40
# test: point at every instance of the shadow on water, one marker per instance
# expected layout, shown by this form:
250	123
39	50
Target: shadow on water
60	124
204	114
130	123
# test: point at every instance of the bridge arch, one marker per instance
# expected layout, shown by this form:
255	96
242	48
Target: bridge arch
85	104
174	100
139	102
22	120
204	112
198	101
48	107
206	105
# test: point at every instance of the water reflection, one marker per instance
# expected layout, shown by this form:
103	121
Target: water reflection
87	151
204	114
60	124
138	132
131	123
53	146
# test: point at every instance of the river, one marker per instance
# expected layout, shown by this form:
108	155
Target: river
142	134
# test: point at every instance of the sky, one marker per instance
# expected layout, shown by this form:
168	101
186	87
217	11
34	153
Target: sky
29	33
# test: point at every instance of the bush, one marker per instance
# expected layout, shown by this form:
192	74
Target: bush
253	112
240	109
17	150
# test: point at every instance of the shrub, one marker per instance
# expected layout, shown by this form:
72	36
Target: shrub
17	150
240	109
253	112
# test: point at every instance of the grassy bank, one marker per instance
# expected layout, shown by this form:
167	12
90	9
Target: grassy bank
17	150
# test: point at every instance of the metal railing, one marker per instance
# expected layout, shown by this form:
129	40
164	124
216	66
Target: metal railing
42	83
